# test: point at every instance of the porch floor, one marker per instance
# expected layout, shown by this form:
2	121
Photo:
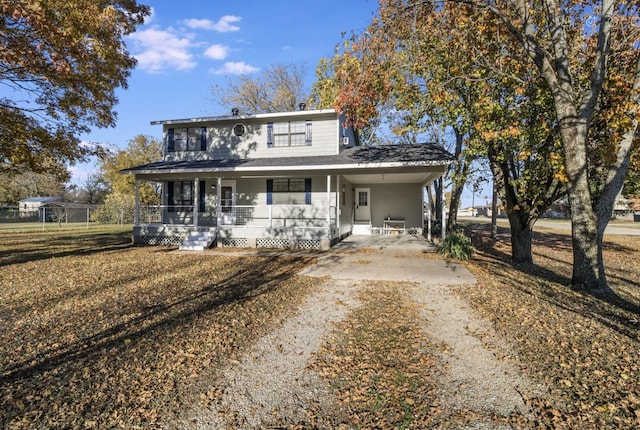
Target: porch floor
394	244
400	243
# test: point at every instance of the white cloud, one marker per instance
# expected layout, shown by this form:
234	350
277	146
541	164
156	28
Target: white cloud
159	50
224	24
235	68
195	23
217	52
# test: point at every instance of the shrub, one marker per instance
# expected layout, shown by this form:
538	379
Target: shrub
457	245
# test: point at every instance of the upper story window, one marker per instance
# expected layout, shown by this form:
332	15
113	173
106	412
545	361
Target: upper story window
187	139
289	133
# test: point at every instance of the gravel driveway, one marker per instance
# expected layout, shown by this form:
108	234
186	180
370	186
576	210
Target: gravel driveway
271	382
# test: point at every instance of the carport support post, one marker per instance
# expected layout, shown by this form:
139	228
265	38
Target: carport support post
423	189
136	214
444	209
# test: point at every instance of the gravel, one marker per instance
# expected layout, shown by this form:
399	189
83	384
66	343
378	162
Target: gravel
480	374
270	383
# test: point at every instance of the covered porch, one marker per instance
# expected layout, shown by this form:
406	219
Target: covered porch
305	203
218	207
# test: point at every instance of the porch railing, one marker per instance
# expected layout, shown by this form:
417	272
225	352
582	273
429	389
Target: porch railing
242	216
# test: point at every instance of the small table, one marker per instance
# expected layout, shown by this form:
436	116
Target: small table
393	226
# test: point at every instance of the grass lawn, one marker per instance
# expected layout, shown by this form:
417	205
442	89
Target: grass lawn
585	348
97	333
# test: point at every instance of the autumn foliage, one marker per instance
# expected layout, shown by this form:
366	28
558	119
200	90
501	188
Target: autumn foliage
62	62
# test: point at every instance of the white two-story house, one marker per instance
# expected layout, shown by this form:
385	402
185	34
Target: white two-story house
281	180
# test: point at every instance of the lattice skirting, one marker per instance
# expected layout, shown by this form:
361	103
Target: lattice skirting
234	242
162	240
272	243
309	244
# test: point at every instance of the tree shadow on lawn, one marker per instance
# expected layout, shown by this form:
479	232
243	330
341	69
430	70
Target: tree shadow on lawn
149	327
553	284
23	248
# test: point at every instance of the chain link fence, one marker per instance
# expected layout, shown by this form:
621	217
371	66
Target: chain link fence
48	217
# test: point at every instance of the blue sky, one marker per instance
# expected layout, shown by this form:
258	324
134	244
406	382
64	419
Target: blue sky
188	46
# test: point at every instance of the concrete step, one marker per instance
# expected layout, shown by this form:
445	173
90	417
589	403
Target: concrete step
197	241
361	228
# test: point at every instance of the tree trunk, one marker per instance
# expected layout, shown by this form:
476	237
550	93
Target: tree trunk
521	231
437	188
494	210
452	218
521	223
588	265
459	177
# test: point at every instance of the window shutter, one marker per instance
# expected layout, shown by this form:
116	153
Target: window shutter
170	195
269	191
203	139
202	197
307	191
170	144
269	134
307	132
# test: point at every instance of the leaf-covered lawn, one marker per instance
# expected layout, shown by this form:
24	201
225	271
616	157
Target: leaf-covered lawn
585	348
99	334
378	365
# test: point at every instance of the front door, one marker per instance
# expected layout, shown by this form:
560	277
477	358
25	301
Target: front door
363	208
228	202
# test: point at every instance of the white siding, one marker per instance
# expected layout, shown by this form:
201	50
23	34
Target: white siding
223	144
396	201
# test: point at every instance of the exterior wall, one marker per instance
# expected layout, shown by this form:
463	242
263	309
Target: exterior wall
223	144
251	209
396	201
345	206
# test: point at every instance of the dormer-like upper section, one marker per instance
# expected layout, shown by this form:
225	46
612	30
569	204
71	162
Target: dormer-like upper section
286	134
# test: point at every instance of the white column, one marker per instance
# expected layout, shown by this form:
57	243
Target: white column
196	201
218	202
337	200
329	203
136	215
444	209
422	209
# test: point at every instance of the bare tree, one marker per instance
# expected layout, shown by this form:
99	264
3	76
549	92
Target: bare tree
280	88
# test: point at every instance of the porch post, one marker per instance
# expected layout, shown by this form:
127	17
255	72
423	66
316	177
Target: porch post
136	214
196	201
337	200
444	208
422	208
218	202
329	204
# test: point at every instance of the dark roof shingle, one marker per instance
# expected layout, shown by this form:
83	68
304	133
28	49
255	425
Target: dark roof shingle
422	154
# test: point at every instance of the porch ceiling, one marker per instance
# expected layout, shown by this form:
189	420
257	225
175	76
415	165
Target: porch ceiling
394	178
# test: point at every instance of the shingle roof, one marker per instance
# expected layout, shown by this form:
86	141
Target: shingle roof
416	155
